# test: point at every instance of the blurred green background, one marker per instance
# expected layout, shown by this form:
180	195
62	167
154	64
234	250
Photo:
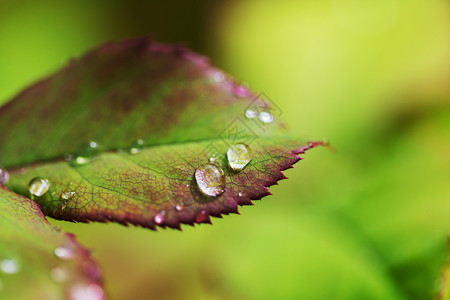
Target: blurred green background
367	222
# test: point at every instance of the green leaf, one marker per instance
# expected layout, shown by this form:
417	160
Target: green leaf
184	113
38	261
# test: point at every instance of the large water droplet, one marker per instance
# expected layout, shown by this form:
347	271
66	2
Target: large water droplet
265	117
210	179
86	292
136	147
38	186
4	176
65	252
9	266
87	154
251	114
238	156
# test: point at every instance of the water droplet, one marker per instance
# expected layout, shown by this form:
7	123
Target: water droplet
212	158
159	218
58	274
218	76
240	91
65	252
68	157
179	207
137	147
57	227
240	194
238	156
4	176
210	179
201	216
67	195
9	266
251	114
86	292
38	186
87	154
265	117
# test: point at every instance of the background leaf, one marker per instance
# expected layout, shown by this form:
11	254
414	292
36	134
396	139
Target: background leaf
38	261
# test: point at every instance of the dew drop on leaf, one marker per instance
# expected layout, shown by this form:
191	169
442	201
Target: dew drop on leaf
159	218
210	180
238	156
251	114
83	291
65	252
87	154
136	147
38	186
58	274
4	176
67	195
201	216
9	266
240	91
265	117
218	76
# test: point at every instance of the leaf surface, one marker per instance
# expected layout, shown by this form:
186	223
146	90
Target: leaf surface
186	114
38	261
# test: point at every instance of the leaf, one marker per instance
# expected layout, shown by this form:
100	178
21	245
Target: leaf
184	111
29	265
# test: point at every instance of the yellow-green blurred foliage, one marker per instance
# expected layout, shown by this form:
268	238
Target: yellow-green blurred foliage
368	222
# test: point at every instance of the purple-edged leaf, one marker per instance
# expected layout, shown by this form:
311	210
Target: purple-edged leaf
36	260
185	114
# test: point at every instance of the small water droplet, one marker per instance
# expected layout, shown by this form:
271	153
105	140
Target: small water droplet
240	91
68	157
87	154
4	176
65	252
201	216
58	274
159	218
38	186
238	156
67	195
210	179
265	117
212	158
57	227
86	291
9	266
218	76
136	147
179	207
251	114
240	194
